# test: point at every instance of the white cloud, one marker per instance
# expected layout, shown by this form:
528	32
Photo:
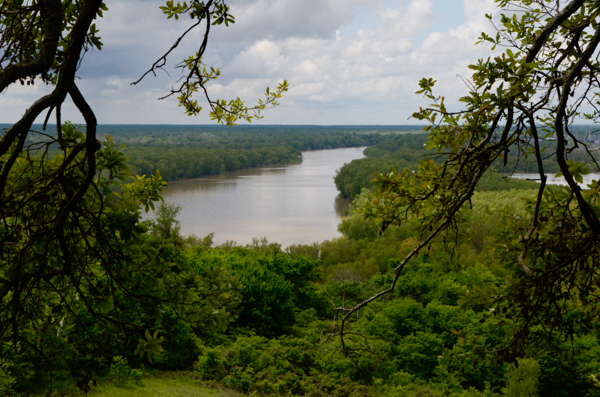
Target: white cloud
375	69
339	72
281	19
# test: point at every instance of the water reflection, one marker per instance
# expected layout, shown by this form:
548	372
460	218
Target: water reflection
272	171
289	204
341	205
587	179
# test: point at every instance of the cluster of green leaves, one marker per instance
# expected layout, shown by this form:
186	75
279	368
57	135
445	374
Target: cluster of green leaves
121	371
517	102
197	74
274	286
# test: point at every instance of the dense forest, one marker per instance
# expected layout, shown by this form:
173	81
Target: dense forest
273	330
406	151
184	152
448	280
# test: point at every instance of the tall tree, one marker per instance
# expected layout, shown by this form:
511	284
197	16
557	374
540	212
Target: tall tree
73	257
524	101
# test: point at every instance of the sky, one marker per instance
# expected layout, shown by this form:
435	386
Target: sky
347	61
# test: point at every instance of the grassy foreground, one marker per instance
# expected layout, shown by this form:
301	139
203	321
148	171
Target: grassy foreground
166	384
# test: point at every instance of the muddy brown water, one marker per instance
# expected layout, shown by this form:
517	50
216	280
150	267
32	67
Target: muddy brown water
289	204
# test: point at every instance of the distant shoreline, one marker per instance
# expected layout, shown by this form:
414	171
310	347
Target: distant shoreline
535	177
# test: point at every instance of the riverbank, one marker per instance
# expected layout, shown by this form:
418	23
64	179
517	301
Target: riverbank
181	163
185	152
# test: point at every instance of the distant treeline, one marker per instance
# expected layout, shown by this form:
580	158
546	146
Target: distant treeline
189	151
184	151
190	162
407	150
301	138
514	164
252	136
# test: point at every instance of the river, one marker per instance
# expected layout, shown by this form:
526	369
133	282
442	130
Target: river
289	204
587	179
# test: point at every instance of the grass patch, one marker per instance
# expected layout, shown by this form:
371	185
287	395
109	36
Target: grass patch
166	384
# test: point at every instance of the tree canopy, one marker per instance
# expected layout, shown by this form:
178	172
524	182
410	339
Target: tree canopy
82	278
79	275
532	93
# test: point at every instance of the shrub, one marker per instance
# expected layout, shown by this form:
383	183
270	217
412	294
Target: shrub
120	370
7	381
522	379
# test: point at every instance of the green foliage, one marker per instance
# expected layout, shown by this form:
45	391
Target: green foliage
182	152
184	163
405	337
267	302
149	346
7	381
120	370
274	286
355	227
281	366
165	225
197	74
309	251
521	380
100	280
400	152
515	117
25	32
404	152
427	339
249	137
180	346
137	375
431	314
81	278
